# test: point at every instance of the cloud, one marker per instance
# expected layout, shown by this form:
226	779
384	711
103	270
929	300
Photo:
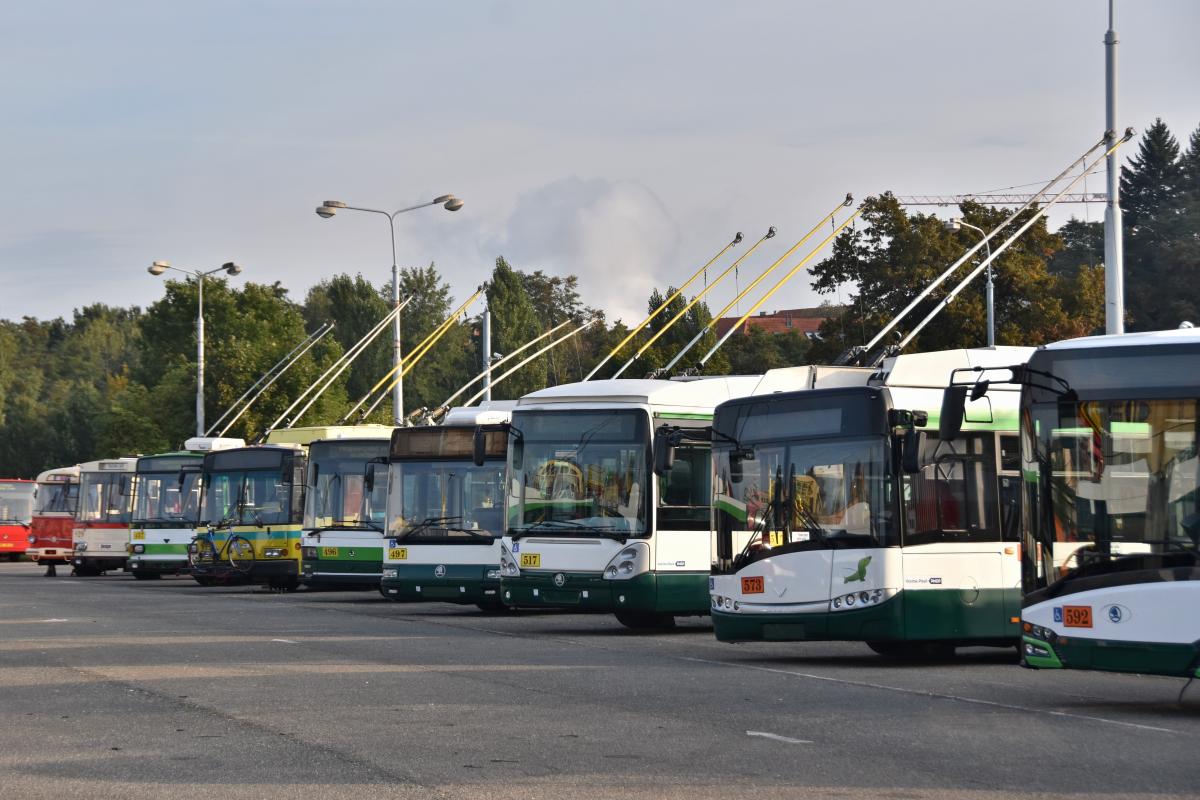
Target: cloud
616	235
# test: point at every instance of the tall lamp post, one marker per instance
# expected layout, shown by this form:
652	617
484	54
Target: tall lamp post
447	201
956	224
158	268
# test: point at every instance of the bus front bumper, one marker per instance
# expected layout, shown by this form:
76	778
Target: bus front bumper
651	592
327	572
102	563
1146	658
162	564
260	570
882	622
456	583
50	555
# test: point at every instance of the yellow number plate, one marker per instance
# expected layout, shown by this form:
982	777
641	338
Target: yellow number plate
398	553
776	538
329	552
139	535
531	560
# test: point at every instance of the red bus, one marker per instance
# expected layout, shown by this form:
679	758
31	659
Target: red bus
16	514
50	540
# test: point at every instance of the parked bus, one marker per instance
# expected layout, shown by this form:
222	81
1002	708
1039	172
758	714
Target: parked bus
101	533
167	507
586	526
445	514
16	516
344	509
50	534
841	516
1111	513
252	509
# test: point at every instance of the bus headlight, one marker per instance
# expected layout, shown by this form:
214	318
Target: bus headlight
391	573
32	538
492	575
859	599
275	552
139	548
628	562
310	553
80	547
508	564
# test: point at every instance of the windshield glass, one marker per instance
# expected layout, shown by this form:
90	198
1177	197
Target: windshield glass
168	498
57	498
246	497
337	496
803	495
1111	481
105	497
445	501
16	503
579	471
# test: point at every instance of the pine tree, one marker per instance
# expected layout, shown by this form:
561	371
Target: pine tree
1151	184
514	322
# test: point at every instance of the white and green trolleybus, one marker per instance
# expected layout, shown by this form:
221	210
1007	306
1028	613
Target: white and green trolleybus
446	508
1111	514
166	507
587	525
839	514
344	511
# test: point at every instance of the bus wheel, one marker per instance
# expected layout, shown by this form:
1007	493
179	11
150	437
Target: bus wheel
646	621
913	651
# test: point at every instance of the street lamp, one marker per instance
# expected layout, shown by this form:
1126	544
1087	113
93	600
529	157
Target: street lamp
328	209
158	268
957	224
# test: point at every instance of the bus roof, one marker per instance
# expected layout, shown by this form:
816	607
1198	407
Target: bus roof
59	475
701	393
1148	338
488	413
310	434
123	464
932	370
205	444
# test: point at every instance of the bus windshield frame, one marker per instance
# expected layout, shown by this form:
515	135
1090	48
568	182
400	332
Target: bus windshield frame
335	497
446	500
16	502
105	498
252	487
168	498
579	472
57	497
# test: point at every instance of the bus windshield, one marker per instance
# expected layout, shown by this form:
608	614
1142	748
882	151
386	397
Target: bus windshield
57	498
16	502
582	472
105	497
337	496
168	499
810	494
246	497
1116	485
445	502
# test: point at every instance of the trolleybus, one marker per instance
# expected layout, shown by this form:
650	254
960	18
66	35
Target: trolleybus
841	516
1111	514
167	507
445	513
586	524
16	517
101	533
344	508
50	534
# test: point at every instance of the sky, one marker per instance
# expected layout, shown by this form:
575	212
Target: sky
623	142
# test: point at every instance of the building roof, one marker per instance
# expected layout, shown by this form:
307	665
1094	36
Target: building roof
805	321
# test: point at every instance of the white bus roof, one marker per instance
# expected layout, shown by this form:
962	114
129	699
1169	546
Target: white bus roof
59	475
813	376
1173	336
489	413
702	393
932	370
123	464
205	444
310	434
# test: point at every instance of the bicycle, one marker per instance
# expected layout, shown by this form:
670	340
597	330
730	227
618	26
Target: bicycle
205	553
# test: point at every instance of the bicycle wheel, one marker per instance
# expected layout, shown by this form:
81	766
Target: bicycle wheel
240	553
202	553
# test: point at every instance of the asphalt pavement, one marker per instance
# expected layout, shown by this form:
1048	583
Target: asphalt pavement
111	687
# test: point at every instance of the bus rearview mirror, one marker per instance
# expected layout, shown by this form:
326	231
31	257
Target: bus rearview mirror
478	446
914	443
954	402
664	454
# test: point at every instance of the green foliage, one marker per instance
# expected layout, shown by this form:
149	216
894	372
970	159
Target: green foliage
355	307
514	322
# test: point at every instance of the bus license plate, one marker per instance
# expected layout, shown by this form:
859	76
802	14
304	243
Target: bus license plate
329	552
139	535
531	560
752	585
1077	616
398	553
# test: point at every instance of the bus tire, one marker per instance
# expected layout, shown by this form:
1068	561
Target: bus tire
645	620
146	575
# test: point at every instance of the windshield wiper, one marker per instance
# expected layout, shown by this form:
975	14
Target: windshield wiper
430	522
357	525
609	531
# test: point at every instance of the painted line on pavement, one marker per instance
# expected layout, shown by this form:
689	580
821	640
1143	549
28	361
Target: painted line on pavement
939	695
777	737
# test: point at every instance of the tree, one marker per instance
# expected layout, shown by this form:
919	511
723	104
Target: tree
514	322
896	255
356	307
